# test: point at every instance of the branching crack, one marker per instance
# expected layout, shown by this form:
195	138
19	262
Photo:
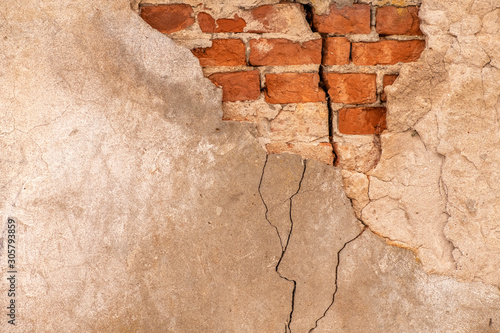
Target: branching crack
336	278
265	205
284	246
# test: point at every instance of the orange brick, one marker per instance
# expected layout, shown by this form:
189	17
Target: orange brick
353	19
336	51
362	120
238	86
293	88
279	18
208	24
283	52
398	21
224	52
387	81
387	52
351	88
168	18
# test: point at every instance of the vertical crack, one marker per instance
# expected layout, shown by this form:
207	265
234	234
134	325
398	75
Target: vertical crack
265	205
336	278
322	85
284	246
309	13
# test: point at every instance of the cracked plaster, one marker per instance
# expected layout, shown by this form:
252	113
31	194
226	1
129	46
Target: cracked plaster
435	188
138	209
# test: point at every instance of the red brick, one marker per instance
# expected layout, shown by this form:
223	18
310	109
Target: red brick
279	18
224	52
208	24
387	52
353	19
168	18
398	21
336	51
283	52
238	86
351	88
293	88
387	81
362	120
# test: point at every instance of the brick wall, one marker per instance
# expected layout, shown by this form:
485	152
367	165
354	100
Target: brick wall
313	83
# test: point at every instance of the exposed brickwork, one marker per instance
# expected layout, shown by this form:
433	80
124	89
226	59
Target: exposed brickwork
387	81
209	24
293	88
238	86
283	52
168	18
268	61
387	52
336	51
224	52
354	88
362	120
398	21
349	19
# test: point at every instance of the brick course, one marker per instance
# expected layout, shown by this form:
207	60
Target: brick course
354	88
293	88
283	52
238	86
168	18
353	19
336	51
224	52
398	21
209	24
271	18
362	120
387	52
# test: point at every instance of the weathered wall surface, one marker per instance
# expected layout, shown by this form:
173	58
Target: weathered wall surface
311	77
138	209
435	188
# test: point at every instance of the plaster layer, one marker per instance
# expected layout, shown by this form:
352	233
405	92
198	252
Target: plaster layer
138	209
384	289
436	186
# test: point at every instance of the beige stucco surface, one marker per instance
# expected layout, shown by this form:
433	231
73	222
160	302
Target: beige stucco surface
139	210
436	186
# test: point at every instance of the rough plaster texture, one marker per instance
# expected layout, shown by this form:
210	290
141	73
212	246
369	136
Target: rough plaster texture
436	186
139	210
385	290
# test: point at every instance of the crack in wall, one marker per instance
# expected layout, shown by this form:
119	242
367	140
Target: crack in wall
336	279
264	202
284	246
309	13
